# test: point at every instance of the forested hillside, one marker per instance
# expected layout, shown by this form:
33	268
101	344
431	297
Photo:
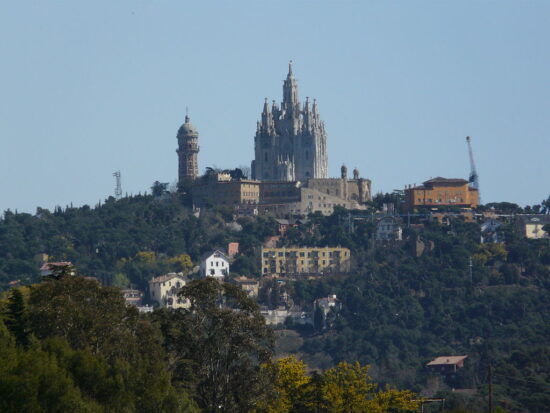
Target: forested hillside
403	304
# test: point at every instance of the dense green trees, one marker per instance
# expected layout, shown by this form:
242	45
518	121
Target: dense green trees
73	345
105	241
217	346
402	304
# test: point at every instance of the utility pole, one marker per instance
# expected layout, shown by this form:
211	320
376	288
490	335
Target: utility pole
471	274
490	388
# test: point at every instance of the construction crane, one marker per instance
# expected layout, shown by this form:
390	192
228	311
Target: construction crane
474	177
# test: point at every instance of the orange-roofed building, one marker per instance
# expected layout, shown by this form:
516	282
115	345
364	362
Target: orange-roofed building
439	192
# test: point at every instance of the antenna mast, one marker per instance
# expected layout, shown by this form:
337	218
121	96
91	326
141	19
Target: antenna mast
118	187
474	177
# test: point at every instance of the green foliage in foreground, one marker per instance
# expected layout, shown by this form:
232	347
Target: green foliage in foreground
85	351
75	346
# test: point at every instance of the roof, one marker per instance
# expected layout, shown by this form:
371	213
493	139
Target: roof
168	277
245	280
391	218
187	128
212	252
282	221
47	266
441	180
534	219
446	360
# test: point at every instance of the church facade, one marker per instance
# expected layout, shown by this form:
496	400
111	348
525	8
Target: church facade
290	142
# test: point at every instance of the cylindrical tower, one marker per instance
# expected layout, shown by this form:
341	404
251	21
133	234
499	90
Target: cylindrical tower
188	150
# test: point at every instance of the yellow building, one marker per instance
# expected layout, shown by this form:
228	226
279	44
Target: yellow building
305	260
439	192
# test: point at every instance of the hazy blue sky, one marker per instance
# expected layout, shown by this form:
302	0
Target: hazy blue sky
87	88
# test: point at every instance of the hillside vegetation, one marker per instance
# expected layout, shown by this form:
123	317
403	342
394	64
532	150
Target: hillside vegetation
400	308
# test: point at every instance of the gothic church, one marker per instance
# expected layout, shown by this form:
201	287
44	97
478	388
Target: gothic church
290	142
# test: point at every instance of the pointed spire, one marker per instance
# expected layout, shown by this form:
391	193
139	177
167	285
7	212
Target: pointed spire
290	93
187	114
266	108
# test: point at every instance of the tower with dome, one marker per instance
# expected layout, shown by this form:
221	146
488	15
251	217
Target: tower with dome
188	151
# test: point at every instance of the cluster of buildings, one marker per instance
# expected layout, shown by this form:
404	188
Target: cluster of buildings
289	179
289	173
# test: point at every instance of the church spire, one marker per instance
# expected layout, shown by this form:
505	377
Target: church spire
290	92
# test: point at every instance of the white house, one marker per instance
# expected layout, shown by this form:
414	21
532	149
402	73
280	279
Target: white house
326	305
214	264
389	229
164	290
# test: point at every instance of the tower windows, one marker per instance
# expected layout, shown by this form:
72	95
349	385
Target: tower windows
307	155
265	156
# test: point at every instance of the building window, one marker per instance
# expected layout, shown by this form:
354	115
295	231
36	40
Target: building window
307	155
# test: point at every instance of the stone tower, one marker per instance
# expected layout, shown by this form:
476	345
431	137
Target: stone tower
188	149
290	142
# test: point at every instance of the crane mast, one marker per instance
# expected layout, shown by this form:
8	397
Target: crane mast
474	177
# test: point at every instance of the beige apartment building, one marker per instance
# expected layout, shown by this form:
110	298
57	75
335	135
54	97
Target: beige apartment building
305	260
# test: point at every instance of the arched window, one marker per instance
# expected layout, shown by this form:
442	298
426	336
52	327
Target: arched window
307	155
265	156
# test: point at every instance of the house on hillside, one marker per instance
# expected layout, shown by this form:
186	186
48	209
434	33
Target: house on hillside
531	226
164	290
232	249
446	364
389	229
248	285
49	268
214	264
322	307
489	231
305	260
132	297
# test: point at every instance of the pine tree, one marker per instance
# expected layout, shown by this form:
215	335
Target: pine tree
16	317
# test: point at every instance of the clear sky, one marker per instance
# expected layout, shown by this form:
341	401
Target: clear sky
87	88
